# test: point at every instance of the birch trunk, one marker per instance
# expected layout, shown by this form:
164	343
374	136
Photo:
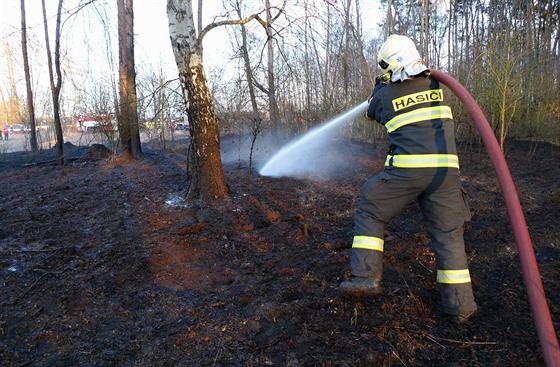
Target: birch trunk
208	181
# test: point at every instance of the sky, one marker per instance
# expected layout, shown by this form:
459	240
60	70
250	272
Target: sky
150	25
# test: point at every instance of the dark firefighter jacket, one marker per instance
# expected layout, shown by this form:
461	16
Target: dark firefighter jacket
419	123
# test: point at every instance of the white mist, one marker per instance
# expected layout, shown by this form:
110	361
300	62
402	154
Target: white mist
303	155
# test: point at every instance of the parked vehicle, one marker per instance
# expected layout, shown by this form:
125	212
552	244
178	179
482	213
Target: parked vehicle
96	123
180	123
181	126
18	128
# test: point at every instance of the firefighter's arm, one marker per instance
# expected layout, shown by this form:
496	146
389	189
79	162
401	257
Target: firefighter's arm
370	112
380	82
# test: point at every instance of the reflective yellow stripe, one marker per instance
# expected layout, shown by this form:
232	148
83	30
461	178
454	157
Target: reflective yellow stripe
422	160
421	114
369	243
453	276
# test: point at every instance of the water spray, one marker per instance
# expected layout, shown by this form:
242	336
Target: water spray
288	160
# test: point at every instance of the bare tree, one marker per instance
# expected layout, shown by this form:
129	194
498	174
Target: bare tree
390	23
128	111
30	106
199	25
55	87
11	102
424	30
274	112
244	50
208	179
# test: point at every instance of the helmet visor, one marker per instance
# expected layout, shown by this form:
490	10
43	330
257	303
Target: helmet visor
383	64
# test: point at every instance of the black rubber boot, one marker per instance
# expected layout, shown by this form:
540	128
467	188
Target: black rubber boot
458	302
366	267
361	287
465	317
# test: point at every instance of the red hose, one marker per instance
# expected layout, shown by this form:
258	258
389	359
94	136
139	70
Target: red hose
533	283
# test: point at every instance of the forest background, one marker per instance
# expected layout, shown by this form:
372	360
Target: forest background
322	60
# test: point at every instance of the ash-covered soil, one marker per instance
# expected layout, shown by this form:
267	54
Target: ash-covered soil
104	264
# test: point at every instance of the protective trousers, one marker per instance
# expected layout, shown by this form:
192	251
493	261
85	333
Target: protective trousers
444	209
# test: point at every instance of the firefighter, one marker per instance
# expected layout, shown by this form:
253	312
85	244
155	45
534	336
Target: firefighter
422	165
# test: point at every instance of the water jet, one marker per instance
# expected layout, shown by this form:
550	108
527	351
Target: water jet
294	158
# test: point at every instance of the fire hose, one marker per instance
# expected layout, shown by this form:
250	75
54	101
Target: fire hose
539	307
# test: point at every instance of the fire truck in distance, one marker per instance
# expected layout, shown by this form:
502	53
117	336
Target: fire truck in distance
180	123
100	123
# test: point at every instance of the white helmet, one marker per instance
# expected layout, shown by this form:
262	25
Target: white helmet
397	53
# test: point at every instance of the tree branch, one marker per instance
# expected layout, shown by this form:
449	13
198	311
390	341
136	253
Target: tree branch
256	17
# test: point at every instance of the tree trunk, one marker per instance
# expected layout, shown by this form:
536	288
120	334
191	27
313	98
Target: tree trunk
208	177
30	106
424	30
390	24
273	105
55	88
12	102
247	63
128	115
199	19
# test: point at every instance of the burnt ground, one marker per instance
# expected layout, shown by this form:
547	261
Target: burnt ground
103	264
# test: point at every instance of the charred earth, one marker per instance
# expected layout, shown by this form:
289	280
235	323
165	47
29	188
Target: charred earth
104	263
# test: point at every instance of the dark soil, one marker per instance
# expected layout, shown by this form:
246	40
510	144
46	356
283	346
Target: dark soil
103	264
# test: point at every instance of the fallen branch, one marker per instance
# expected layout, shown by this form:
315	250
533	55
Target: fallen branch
51	161
50	272
41	250
33	285
436	338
